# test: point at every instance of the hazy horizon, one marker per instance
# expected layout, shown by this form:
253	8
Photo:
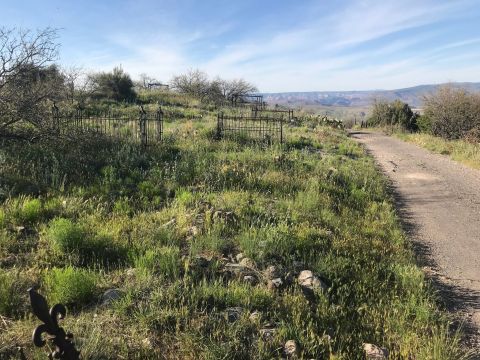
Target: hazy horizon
279	46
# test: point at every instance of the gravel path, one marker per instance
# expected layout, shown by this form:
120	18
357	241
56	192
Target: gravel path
439	202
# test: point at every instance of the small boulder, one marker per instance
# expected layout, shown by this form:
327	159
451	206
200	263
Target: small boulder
237	270
249	279
275	284
170	223
201	261
193	231
131	272
255	316
239	257
147	342
374	352
268	334
234	313
111	295
20	229
309	282
290	349
272	272
247	262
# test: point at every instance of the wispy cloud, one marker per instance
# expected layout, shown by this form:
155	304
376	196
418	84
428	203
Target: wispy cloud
351	44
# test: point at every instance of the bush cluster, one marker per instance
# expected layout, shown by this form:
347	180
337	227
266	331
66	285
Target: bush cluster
395	113
453	113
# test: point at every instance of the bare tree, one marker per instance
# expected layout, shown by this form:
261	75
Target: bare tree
145	80
196	83
28	77
235	88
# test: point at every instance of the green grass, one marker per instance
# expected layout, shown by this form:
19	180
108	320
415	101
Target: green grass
70	286
458	150
162	225
65	236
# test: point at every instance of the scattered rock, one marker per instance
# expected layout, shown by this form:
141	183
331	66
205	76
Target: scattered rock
131	272
249	279
310	283
239	257
375	352
147	342
268	334
201	261
290	349
19	229
247	262
170	223
272	272
275	284
234	313
255	316
227	216
237	270
193	231
111	295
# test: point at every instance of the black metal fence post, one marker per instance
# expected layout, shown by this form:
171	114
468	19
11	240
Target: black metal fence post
159	123
56	118
281	130
219	125
143	126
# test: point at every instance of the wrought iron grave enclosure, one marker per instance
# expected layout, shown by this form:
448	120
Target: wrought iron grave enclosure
256	112
269	129
145	128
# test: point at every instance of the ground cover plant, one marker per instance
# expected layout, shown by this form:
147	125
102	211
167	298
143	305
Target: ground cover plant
212	249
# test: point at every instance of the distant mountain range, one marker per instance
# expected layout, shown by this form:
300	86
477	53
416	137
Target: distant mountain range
413	96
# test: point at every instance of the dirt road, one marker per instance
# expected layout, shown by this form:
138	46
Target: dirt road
439	202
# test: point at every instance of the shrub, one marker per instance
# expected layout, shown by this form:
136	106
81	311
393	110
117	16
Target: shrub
116	85
453	112
395	113
70	285
424	124
66	236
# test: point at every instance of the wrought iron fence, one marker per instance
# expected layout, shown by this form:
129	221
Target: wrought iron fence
145	128
256	112
260	128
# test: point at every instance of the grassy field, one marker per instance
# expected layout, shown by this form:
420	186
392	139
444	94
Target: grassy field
203	241
459	150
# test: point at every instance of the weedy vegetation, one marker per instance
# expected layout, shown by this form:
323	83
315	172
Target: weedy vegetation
197	247
190	231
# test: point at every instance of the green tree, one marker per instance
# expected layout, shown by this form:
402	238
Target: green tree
394	113
29	81
116	85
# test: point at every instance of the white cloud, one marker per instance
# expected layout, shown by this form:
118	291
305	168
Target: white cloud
316	55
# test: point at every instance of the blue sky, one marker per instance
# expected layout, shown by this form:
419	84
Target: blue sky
278	45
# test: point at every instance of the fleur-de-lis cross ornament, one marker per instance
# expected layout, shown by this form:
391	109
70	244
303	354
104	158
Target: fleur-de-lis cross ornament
64	347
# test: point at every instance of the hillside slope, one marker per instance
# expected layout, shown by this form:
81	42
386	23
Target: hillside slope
411	95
